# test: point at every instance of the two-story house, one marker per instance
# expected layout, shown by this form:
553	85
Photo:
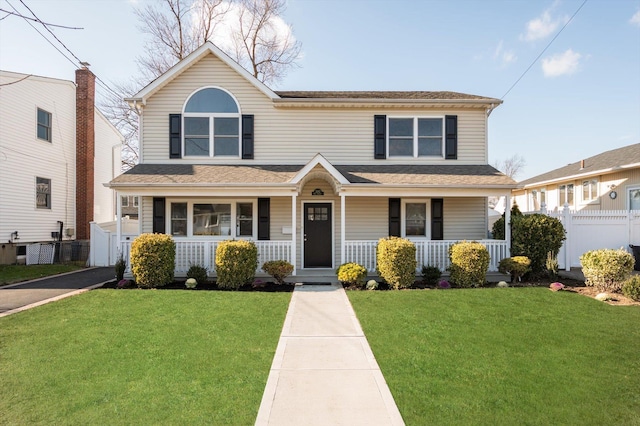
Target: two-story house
315	178
606	181
56	152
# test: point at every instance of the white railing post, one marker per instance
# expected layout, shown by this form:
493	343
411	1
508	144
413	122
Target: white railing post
343	209
507	223
293	233
566	216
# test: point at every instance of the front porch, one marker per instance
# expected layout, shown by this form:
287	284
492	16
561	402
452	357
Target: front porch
363	252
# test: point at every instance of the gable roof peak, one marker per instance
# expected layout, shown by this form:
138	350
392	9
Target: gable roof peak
205	49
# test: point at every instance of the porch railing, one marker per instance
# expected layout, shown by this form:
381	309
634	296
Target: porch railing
203	253
434	253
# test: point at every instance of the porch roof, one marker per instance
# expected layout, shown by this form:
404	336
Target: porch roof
448	176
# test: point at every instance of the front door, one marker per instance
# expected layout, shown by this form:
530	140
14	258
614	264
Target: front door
318	251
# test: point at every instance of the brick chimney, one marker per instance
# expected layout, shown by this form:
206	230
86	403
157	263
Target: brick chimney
85	150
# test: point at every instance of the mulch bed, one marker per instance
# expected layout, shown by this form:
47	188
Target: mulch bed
268	287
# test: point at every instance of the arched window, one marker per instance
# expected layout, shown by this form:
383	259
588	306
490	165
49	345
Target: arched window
211	124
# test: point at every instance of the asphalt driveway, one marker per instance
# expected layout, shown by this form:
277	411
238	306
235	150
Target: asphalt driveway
17	296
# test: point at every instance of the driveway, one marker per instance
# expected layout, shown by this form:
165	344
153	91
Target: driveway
18	296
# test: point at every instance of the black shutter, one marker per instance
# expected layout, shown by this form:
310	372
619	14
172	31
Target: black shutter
380	137
175	136
394	217
437	219
247	137
263	218
451	137
158	216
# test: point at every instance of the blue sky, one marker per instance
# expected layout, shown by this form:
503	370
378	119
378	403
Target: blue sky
582	97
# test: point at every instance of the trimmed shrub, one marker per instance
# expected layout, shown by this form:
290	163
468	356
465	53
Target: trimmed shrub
606	269
352	274
153	260
469	264
431	274
534	236
396	261
121	267
631	288
236	263
278	269
198	273
515	266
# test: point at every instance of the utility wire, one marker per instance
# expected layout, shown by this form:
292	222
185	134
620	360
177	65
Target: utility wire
17	81
45	25
543	50
32	19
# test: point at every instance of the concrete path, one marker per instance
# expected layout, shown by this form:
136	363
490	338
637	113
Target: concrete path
324	372
21	296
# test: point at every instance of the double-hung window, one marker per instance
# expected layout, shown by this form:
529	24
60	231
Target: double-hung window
211	124
44	125
415	137
566	195
43	193
589	190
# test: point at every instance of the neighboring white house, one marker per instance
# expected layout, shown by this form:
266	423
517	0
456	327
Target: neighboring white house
606	181
315	178
56	152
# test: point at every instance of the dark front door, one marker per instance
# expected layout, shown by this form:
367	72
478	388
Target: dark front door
318	252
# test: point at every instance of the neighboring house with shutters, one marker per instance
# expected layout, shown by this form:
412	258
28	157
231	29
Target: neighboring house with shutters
315	178
56	152
607	181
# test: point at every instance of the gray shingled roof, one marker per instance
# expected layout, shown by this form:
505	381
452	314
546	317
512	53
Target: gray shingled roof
607	160
378	95
186	174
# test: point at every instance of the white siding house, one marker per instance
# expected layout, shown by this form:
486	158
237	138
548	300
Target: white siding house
315	178
38	160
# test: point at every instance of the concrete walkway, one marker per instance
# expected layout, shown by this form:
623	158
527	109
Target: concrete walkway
324	372
18	297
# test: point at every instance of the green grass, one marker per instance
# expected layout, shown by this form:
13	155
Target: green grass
505	356
140	357
10	274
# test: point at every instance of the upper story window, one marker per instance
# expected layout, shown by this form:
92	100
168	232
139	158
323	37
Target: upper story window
211	124
415	137
565	193
43	193
44	125
589	190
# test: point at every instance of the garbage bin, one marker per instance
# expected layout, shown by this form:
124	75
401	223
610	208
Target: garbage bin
636	254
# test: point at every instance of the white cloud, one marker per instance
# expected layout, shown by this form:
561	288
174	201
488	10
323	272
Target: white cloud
566	63
543	26
635	19
504	56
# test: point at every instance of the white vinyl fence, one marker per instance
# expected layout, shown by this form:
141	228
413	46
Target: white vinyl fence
595	229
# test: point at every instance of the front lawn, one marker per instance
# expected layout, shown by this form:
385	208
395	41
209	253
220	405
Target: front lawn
505	356
15	273
140	357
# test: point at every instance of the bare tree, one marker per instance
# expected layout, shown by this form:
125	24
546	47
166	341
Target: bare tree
265	50
511	166
125	119
175	29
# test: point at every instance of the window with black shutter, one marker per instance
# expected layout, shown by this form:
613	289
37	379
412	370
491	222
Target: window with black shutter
394	217
437	219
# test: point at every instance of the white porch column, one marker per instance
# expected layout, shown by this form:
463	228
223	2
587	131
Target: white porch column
119	223
343	209
507	223
294	198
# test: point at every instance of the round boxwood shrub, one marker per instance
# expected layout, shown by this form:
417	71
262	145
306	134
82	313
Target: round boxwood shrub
278	269
631	288
352	274
198	273
606	269
153	260
236	263
469	264
396	261
515	266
